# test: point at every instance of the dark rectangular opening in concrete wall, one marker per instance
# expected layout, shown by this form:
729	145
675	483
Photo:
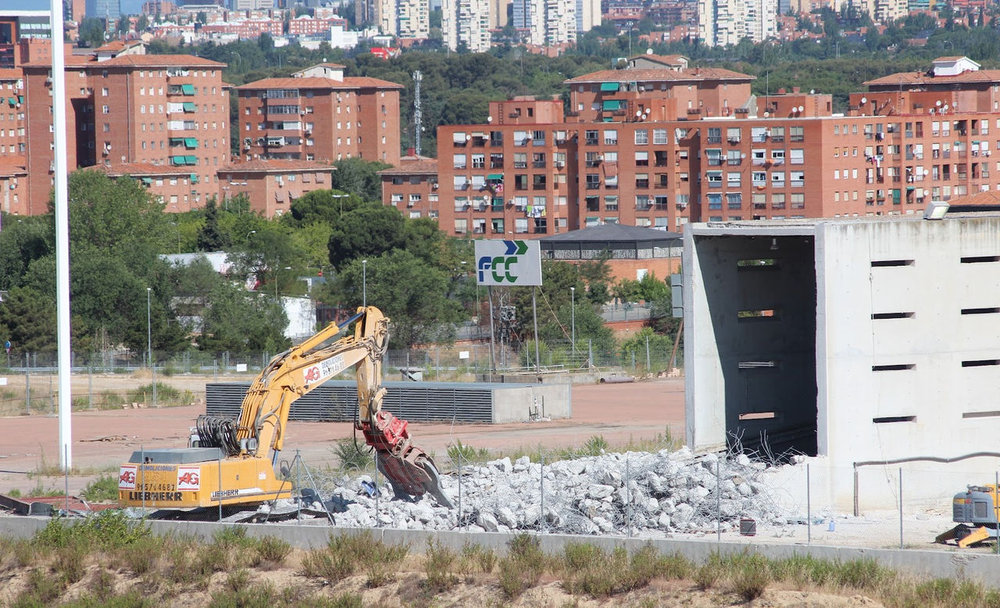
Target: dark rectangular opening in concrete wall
892	315
891	419
892	367
888	263
765	331
980	259
980	362
981	311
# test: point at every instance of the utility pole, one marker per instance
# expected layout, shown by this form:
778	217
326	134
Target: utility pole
418	114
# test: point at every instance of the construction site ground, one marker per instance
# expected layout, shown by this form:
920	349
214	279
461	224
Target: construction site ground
619	413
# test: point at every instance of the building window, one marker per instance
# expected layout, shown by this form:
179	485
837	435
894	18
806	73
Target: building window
641	137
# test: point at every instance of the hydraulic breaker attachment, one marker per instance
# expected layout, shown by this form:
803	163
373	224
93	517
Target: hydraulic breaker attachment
408	468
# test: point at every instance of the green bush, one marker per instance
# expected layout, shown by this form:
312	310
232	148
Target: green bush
438	563
271	551
353	457
102	489
523	565
460	453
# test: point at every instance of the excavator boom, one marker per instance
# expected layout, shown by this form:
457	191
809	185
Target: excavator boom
235	460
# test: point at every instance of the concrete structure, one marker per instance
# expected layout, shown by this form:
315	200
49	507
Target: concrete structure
466	23
546	22
588	15
319	114
727	22
867	340
336	401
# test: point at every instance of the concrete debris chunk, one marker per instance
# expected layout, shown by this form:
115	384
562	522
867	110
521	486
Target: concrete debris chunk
647	494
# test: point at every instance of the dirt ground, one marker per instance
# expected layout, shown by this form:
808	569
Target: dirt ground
618	412
103	439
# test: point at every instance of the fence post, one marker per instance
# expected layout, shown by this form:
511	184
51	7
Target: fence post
628	499
648	366
459	489
718	503
541	487
809	518
900	507
90	387
27	385
590	353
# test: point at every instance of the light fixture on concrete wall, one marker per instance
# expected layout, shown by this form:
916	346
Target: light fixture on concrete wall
936	210
774	244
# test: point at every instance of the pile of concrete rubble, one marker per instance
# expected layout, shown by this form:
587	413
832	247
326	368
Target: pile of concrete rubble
638	493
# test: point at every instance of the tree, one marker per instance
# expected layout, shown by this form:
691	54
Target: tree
412	293
237	320
92	32
368	231
321	206
209	236
28	320
360	177
22	241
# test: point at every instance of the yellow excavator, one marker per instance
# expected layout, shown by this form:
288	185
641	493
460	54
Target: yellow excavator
234	462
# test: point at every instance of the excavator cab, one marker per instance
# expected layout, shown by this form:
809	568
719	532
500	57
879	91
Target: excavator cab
975	512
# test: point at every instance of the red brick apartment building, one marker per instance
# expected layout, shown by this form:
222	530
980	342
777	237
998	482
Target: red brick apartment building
273	185
658	144
412	187
131	112
319	114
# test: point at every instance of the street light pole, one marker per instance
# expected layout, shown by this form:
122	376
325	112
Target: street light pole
149	340
572	296
364	283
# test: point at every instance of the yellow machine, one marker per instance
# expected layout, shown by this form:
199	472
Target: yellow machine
234	463
975	511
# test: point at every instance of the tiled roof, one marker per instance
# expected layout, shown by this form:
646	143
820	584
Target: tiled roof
13	166
411	165
161	61
658	75
356	82
614	233
276	166
924	79
664	59
141	169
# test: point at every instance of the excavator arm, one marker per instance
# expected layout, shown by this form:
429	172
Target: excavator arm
260	429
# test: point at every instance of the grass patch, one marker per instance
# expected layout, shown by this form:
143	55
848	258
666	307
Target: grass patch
166	395
591	570
461	453
352	457
345	554
102	489
438	565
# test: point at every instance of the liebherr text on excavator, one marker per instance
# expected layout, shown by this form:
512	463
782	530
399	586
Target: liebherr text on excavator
234	462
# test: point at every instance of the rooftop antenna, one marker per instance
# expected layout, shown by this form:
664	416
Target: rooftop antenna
417	111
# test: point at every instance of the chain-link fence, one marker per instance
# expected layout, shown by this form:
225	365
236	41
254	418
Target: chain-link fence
115	379
648	495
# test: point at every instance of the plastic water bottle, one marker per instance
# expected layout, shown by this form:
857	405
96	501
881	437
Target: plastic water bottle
831	525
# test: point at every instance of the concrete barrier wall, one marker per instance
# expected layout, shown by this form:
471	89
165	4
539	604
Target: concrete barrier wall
532	401
979	567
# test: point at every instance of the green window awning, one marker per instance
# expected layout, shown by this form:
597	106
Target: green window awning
610	86
178	160
147	181
189	106
12	100
612	104
187	89
192	160
194	178
190	142
20	98
495	176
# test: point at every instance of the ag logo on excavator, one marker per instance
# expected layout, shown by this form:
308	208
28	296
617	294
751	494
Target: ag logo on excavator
188	478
